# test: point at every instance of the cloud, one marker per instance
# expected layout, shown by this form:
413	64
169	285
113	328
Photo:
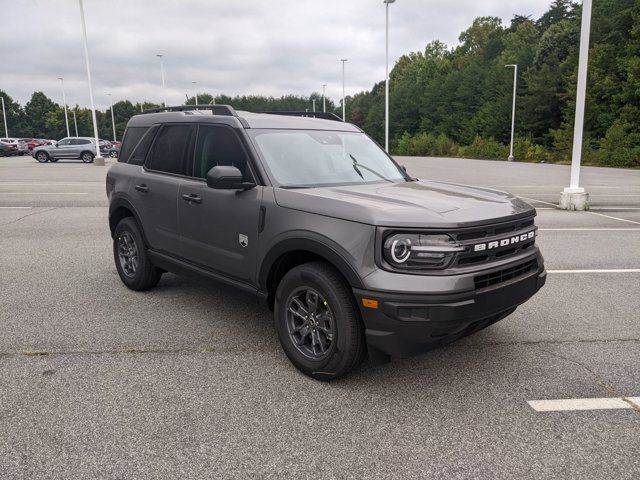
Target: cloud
233	47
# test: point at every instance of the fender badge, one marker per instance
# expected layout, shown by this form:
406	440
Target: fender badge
243	240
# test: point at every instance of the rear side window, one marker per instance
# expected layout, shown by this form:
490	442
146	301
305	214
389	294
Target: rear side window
131	138
140	150
218	146
169	151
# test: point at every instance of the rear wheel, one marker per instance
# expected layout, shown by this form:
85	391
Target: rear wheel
42	157
130	254
318	322
113	154
87	157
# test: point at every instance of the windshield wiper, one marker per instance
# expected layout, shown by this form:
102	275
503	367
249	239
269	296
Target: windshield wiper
290	187
356	165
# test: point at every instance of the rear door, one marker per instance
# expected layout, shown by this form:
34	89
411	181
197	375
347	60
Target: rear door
155	187
80	145
219	228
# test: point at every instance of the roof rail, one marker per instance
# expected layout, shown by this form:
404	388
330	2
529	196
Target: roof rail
323	115
226	110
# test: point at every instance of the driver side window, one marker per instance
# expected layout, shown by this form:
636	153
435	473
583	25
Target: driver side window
219	146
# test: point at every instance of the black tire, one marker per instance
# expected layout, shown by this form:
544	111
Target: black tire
54	160
87	157
144	276
113	154
42	157
347	347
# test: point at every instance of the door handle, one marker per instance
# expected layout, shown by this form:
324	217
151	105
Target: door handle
191	197
142	188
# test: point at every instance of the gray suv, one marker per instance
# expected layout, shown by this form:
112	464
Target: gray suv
82	148
309	215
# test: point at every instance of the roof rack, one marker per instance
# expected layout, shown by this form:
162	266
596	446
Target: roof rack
323	115
226	110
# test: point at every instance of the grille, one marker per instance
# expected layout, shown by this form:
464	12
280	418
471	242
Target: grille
494	278
492	232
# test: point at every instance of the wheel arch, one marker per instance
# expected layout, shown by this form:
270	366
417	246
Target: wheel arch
121	208
292	252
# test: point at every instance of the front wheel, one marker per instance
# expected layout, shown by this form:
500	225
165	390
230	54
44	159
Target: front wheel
42	157
318	322
113	154
132	261
87	157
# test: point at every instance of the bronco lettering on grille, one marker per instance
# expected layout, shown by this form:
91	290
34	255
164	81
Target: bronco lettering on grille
504	242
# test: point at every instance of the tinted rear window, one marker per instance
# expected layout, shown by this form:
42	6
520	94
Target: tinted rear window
169	150
131	138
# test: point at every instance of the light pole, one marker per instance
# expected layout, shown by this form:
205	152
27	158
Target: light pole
64	103
75	122
386	77
314	104
574	197
195	93
98	160
113	121
164	92
513	109
4	116
344	115
324	103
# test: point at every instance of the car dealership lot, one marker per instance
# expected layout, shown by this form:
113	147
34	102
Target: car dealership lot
189	381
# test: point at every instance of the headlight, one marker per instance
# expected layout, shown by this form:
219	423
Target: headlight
415	251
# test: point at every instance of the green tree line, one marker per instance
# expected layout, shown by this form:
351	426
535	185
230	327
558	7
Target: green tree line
457	101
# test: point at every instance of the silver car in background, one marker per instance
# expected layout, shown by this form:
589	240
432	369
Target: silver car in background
82	148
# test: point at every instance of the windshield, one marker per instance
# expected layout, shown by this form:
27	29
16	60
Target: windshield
308	158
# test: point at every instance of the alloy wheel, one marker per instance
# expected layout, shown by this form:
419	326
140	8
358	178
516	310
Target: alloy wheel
127	254
310	323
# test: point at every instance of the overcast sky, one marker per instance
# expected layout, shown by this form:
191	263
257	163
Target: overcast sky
269	47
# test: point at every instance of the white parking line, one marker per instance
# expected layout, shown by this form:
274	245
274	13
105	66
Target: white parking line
601	270
614	218
38	184
569	404
577	229
590	195
17	207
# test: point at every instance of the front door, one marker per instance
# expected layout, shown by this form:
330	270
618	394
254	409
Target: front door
62	149
219	228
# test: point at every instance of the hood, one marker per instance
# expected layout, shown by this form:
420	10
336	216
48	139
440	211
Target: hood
420	204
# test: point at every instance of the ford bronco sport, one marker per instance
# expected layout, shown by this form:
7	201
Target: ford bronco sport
309	215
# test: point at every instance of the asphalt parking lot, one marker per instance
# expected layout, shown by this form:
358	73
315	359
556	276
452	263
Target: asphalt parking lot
189	381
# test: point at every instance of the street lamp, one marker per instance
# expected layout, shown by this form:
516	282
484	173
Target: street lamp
113	121
513	109
574	197
344	115
64	102
386	78
75	122
98	160
164	92
324	104
195	92
4	115
314	104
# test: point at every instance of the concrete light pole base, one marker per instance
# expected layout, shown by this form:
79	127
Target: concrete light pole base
98	161
574	199
510	159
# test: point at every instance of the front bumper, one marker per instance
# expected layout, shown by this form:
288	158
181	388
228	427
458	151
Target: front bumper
408	324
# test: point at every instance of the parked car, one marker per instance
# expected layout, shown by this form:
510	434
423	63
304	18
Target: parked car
311	216
115	149
20	145
8	149
82	148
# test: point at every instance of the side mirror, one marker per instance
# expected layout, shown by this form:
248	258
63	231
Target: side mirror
226	177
